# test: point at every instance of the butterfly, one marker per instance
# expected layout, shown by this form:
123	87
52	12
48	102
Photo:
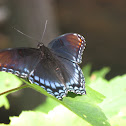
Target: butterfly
55	67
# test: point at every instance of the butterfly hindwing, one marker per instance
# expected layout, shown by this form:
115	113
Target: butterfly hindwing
75	81
48	74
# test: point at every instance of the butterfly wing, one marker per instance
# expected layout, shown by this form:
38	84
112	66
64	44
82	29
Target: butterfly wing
69	49
69	46
48	75
75	81
58	76
19	61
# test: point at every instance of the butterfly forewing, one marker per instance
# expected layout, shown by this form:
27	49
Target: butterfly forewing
20	61
69	46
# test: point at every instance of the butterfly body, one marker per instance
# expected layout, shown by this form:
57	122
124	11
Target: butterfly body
55	68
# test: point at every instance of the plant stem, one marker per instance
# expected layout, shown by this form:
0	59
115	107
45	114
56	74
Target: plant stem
14	89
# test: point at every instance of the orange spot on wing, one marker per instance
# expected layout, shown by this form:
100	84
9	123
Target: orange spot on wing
80	40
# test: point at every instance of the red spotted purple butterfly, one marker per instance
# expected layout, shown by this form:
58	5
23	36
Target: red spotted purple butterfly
55	68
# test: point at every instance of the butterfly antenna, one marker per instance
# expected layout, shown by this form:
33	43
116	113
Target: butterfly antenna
40	44
44	30
24	34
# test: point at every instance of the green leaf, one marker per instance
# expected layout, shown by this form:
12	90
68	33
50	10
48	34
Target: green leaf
50	103
4	102
87	73
59	116
4	124
47	106
119	119
115	92
83	106
114	103
7	82
101	73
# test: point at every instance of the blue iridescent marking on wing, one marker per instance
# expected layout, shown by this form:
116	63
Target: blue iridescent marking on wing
47	83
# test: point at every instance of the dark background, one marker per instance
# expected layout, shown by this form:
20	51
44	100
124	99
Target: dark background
102	23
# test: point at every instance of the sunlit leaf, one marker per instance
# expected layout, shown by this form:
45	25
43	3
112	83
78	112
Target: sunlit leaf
115	92
84	106
7	82
59	116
